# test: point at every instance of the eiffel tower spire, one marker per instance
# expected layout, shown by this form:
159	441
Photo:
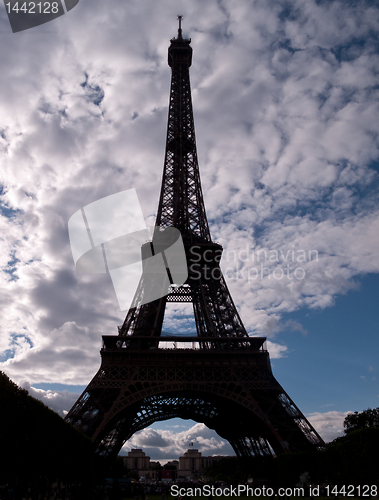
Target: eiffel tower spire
225	382
181	203
180	27
181	206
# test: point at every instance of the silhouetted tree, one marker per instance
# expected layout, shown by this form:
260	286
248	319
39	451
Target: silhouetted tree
361	420
353	459
36	443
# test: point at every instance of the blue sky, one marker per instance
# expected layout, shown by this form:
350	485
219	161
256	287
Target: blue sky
286	100
337	358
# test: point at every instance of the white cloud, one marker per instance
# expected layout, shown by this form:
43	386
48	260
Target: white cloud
329	424
59	401
276	350
168	444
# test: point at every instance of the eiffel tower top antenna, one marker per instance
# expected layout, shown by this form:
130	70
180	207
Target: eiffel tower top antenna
180	27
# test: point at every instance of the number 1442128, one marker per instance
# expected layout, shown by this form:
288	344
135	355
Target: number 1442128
350	490
33	7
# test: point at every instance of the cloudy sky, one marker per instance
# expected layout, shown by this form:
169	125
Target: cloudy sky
286	100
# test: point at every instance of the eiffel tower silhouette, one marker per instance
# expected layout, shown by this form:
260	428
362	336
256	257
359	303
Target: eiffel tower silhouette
223	377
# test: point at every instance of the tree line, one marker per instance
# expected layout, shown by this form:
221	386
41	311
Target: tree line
37	446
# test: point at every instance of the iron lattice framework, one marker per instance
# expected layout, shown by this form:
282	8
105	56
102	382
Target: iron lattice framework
223	377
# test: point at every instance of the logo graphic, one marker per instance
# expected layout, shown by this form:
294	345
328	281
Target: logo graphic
108	235
24	15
